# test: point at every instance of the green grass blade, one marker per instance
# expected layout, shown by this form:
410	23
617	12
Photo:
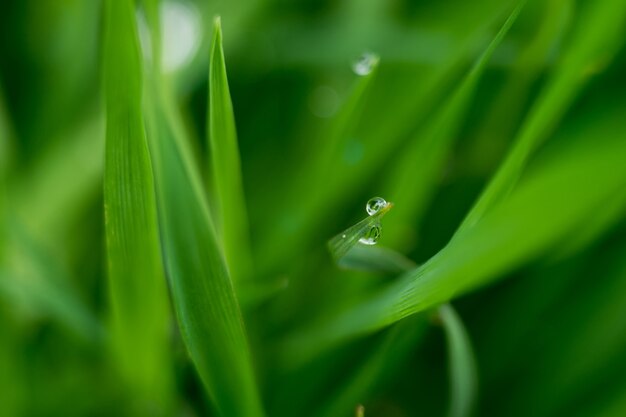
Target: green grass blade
413	178
203	295
37	286
553	203
462	366
378	368
137	283
594	39
232	219
376	259
341	244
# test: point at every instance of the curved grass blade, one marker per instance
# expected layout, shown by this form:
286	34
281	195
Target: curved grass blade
137	283
552	204
232	219
462	366
593	40
376	259
202	291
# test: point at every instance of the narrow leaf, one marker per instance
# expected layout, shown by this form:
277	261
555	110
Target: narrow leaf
346	240
462	366
593	40
137	283
232	219
413	178
203	295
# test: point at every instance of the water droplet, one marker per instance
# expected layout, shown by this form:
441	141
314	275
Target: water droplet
374	205
365	64
343	236
371	236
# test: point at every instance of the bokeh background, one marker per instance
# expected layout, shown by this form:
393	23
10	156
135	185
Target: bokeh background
549	335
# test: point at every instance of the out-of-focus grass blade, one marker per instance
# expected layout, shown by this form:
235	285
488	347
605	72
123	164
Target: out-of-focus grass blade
137	284
376	259
33	282
204	299
378	368
37	200
593	42
553	203
36	286
12	378
462	366
413	177
232	220
6	151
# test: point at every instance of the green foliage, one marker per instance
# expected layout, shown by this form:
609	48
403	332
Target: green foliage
232	220
137	284
222	271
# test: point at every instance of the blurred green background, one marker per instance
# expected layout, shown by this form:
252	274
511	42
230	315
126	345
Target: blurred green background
549	336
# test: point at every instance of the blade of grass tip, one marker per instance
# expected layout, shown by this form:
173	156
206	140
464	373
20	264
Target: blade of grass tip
232	219
462	365
368	228
506	109
552	204
594	40
137	286
203	295
413	177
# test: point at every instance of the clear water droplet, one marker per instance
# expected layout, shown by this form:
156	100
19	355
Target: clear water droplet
365	64
374	205
371	236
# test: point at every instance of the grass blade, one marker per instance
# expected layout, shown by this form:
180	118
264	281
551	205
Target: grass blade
346	240
413	179
35	285
232	220
585	49
560	196
462	366
203	295
137	284
376	259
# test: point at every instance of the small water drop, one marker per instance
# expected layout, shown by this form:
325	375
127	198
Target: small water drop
371	236
374	205
343	236
365	64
